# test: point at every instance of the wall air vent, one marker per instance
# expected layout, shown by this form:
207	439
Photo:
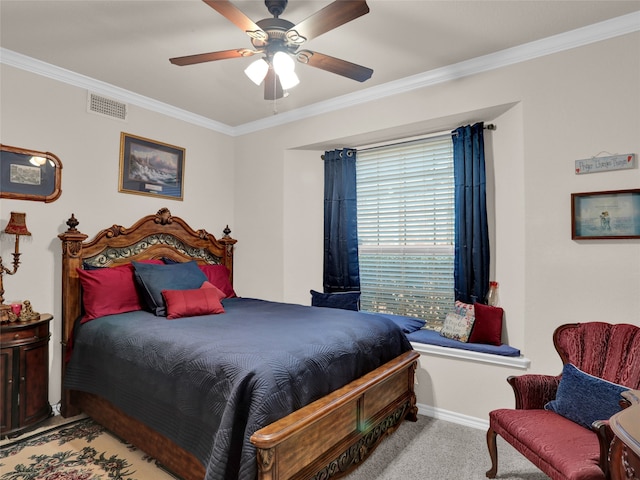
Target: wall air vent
106	106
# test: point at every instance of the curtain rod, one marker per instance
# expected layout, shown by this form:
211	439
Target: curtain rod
489	126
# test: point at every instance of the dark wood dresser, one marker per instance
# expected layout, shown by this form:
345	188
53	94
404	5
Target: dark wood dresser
24	375
624	455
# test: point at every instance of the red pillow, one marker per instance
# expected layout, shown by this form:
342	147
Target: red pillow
487	327
191	303
218	275
107	291
218	292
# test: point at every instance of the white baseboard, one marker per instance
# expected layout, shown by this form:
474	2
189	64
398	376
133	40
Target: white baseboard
454	417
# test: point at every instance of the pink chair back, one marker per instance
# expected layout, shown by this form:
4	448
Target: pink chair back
604	350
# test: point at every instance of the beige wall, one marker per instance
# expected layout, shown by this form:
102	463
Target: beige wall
42	114
549	112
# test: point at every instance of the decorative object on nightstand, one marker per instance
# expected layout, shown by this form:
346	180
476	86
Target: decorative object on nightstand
23	312
17	226
24	374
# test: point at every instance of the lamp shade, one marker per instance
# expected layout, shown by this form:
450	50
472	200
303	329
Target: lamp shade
17	224
284	66
283	63
288	80
257	71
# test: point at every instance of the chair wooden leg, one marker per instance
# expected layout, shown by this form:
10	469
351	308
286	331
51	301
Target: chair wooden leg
493	453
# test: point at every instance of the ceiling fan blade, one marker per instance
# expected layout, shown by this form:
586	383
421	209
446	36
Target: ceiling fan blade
235	16
210	57
272	86
332	16
335	65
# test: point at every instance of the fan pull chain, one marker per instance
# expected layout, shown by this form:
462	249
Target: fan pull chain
275	96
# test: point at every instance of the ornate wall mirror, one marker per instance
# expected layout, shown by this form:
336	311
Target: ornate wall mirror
29	175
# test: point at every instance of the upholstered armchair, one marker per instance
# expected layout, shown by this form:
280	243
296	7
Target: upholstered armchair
556	441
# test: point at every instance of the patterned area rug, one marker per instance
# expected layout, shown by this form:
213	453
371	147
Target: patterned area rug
82	450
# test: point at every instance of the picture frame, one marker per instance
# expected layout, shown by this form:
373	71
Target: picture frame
613	214
150	167
29	174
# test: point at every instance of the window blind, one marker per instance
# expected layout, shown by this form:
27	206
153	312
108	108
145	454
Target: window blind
405	196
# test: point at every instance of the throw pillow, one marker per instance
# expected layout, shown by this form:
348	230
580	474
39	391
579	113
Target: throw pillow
343	300
584	398
464	309
407	324
218	275
107	291
219	293
487	327
155	278
192	303
457	327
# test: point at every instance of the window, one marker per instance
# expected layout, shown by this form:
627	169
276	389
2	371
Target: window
405	195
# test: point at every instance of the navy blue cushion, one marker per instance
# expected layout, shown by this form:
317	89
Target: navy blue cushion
407	324
153	278
432	337
584	398
343	300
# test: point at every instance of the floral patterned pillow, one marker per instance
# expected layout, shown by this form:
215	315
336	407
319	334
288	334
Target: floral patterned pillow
465	310
457	327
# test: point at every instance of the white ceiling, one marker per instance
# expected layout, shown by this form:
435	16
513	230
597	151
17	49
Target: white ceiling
127	44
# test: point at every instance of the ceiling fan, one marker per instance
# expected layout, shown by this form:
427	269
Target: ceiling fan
279	40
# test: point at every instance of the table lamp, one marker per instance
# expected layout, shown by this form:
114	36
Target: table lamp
16	226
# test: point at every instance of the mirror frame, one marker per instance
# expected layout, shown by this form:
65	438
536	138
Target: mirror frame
43	196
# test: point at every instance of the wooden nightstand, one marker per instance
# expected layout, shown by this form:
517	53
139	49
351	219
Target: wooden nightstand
24	374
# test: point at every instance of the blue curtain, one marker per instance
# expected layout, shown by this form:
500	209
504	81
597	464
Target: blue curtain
341	268
471	267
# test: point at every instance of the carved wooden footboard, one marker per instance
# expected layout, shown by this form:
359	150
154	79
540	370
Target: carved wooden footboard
333	435
323	440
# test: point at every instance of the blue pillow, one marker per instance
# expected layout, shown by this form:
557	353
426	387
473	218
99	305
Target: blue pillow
153	278
407	324
343	300
584	398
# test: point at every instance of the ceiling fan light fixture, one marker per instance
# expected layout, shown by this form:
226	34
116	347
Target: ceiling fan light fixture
283	63
278	39
288	80
257	71
284	67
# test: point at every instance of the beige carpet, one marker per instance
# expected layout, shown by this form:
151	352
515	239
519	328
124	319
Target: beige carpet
428	449
80	450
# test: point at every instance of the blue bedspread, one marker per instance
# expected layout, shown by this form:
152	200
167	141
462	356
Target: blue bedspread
210	382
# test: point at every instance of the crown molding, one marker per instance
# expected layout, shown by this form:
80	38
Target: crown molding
597	32
23	62
557	43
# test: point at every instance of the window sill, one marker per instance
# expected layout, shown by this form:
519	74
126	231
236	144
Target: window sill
520	362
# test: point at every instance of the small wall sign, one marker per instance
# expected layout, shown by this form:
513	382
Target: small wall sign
604	164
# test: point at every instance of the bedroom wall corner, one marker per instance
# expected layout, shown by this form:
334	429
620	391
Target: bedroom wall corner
303	218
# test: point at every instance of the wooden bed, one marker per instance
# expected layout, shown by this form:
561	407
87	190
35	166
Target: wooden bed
325	439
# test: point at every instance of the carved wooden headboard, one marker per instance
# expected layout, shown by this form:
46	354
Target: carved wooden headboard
151	237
